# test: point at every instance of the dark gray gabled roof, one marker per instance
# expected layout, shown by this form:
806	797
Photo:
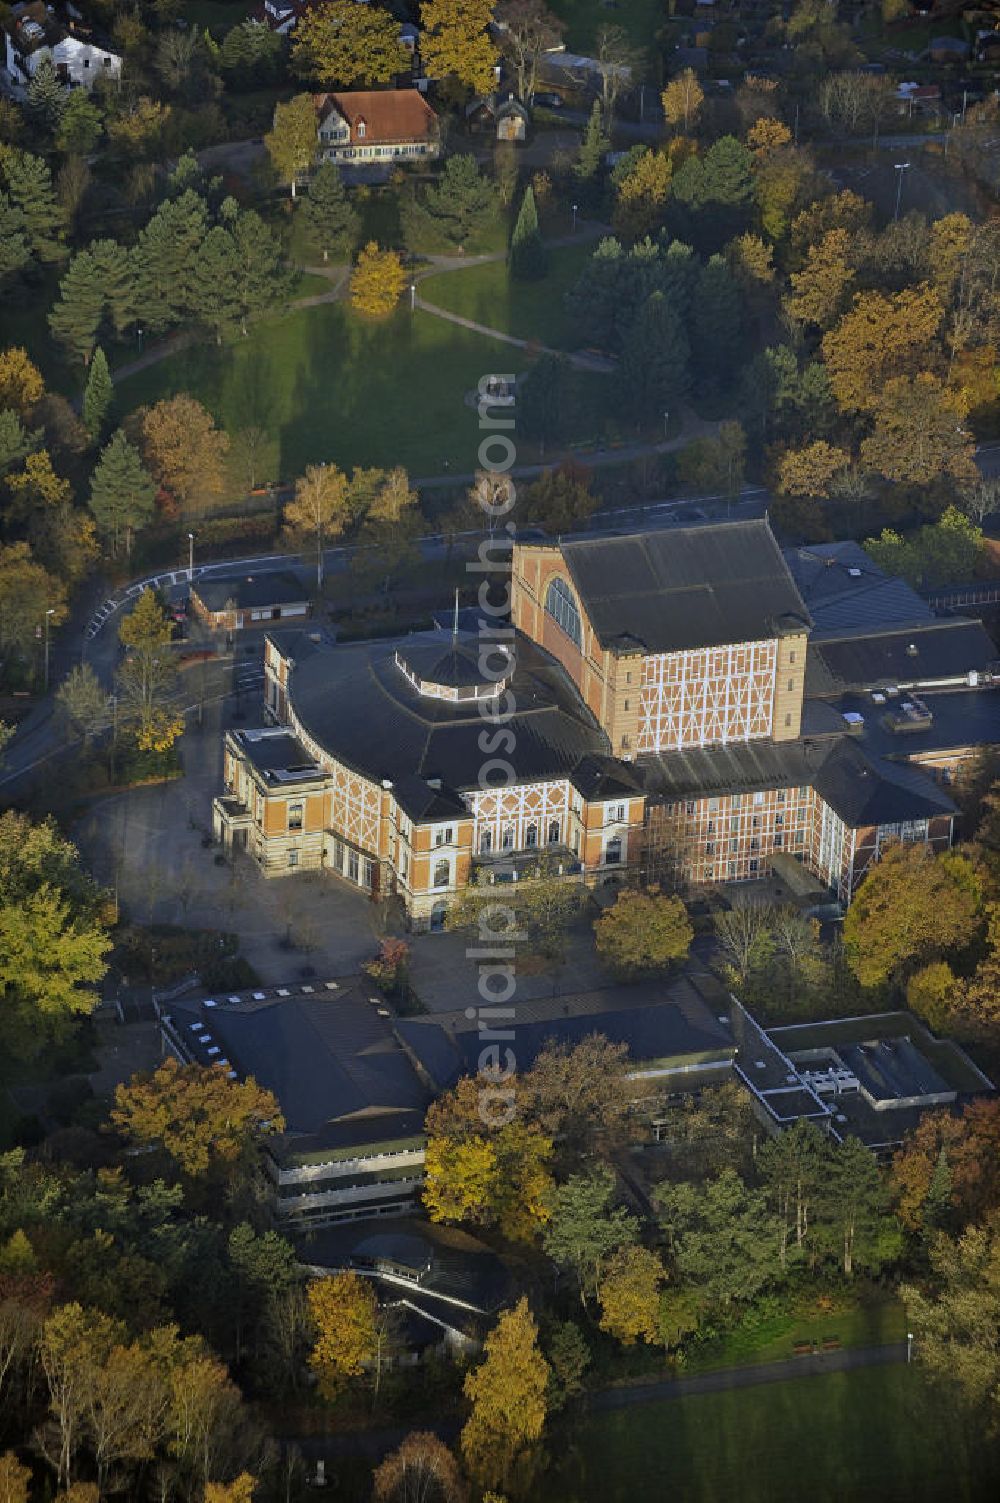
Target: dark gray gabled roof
687	588
657	1020
327	1057
866	791
844	590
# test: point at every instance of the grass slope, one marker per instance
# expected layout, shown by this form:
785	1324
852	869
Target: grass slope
326	385
877	1433
528	310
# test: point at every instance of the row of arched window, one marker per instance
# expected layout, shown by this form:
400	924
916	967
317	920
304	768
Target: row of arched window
530	837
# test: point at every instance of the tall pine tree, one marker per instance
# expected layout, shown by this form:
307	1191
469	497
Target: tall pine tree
528	260
98	395
47	98
14	249
655	360
164	261
215	288
76	317
332	225
29	184
260	281
122	494
716	326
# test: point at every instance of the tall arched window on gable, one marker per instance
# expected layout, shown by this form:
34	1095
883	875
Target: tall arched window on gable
561	606
442	873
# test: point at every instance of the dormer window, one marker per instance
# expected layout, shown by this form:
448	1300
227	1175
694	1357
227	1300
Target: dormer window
361	130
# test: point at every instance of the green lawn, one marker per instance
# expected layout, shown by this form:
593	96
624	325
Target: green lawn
327	385
529	310
878	1433
585	18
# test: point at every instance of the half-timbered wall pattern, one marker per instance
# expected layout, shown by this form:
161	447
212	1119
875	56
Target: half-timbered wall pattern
706	696
729	838
504	817
354	802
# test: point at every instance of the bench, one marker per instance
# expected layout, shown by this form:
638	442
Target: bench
803	1348
831	1343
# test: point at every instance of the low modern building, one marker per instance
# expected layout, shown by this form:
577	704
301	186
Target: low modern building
353	1143
376	127
443	1287
870	1078
230	602
689	702
35	32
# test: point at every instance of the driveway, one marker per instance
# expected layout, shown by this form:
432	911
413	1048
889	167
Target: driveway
147	844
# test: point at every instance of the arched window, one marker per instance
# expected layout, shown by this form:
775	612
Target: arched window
553	832
613	852
531	835
486	842
561	606
442	873
507	839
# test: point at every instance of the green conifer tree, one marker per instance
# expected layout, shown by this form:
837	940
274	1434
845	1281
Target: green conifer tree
29	184
76	317
122	494
47	98
332	225
655	362
14	249
592	147
528	261
98	395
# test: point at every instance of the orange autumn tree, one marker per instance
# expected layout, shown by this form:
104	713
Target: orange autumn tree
198	1116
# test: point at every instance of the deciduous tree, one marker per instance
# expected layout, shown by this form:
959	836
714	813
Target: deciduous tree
344	1310
198	1116
291	142
507	1392
341	44
956	1321
879	338
421	1468
377	281
319	508
912	907
629	1295
644	932
585	1228
21	383
682	100
183	449
456	41
919	433
528	29
809	471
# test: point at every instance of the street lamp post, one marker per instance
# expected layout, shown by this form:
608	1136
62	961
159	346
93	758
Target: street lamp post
190	557
909	1346
666	420
49	613
900	168
138	330
413	296
575	206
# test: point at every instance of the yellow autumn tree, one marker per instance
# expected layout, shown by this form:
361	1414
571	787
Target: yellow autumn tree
377	281
456	41
949	242
14	1479
240	1490
881	336
508	1396
808	471
184	450
198	1116
629	1295
751	261
682	99
488	1175
820	288
919	433
767	134
642	194
344	1312
21	384
291	141
320	508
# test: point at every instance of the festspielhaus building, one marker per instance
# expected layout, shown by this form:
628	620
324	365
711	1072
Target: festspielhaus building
693	702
